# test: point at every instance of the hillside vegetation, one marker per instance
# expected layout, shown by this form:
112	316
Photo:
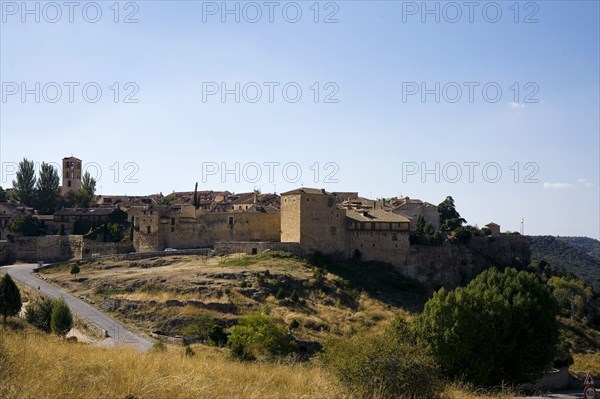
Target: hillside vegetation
578	255
40	366
334	328
170	294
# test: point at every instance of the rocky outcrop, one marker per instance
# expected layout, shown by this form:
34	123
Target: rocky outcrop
451	265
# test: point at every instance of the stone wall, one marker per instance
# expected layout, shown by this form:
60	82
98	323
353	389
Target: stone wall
59	248
155	232
253	248
93	248
46	248
3	252
450	265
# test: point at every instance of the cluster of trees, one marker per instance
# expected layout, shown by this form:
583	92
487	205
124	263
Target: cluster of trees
500	328
49	315
42	192
452	225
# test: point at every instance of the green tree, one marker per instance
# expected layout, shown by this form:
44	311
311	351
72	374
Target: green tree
449	217
196	200
501	327
425	234
47	194
3	195
88	184
572	296
61	320
257	336
10	298
24	224
40	314
75	270
24	186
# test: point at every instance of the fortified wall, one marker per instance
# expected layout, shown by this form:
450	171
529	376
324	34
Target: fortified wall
158	228
451	265
57	249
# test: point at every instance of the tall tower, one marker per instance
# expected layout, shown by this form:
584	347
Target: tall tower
71	174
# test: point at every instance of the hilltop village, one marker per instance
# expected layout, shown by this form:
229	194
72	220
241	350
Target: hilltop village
302	221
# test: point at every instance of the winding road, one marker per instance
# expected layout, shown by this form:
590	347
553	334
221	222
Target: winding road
117	334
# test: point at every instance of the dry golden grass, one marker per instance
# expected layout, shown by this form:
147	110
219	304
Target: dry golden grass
584	363
39	366
460	391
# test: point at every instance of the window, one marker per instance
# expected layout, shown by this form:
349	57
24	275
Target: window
69	183
254	251
172	221
172	229
230	221
330	202
148	229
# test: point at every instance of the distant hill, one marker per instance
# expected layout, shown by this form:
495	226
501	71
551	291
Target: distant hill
579	255
589	245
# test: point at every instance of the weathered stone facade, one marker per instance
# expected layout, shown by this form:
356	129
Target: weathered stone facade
158	228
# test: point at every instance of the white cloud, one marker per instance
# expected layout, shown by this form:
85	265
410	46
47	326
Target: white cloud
585	183
557	186
516	105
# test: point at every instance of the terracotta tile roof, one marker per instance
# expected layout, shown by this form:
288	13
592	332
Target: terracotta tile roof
376	216
84	211
306	190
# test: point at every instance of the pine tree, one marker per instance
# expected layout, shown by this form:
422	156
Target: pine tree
61	320
24	186
10	298
196	202
47	189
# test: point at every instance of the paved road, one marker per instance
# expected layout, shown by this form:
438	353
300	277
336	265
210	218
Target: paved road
118	335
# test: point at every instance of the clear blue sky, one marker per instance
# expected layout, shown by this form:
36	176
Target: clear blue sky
374	136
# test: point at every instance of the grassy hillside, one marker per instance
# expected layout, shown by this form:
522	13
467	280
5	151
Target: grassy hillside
578	255
167	294
34	365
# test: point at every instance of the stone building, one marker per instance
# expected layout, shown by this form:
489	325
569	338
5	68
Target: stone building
413	208
160	227
80	220
494	228
9	211
311	219
71	175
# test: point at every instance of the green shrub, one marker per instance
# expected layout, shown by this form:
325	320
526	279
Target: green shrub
501	327
61	320
199	327
40	315
256	336
189	352
217	336
280	294
295	297
381	366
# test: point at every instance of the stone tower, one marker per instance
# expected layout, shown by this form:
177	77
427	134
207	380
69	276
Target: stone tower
71	174
311	218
